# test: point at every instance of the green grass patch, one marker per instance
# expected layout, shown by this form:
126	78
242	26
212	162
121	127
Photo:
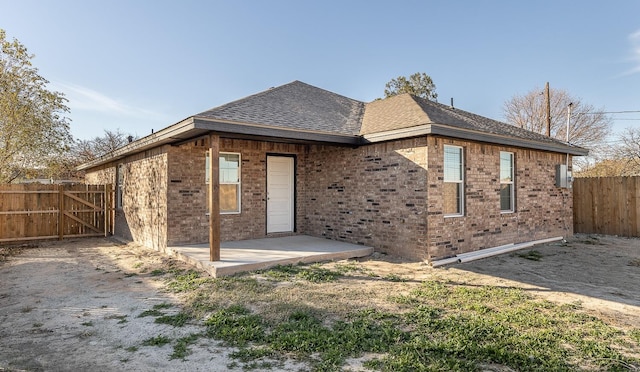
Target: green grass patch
313	273
177	320
431	326
323	320
152	312
236	326
352	267
156	341
163	305
181	347
394	278
188	281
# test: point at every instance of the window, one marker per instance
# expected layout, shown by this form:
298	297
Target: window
229	181
453	193
506	182
119	185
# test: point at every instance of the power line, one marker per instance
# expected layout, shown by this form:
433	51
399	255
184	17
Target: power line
607	112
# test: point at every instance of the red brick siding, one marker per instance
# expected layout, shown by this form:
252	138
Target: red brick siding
542	209
382	195
188	222
373	195
143	217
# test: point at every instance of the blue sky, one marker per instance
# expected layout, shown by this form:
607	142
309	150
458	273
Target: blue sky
142	65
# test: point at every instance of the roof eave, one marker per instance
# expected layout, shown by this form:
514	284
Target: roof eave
176	132
194	127
448	131
259	132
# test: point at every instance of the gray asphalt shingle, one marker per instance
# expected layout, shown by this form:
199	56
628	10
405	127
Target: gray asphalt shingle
303	107
294	106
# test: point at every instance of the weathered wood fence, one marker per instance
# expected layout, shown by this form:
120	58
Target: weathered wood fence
35	211
607	205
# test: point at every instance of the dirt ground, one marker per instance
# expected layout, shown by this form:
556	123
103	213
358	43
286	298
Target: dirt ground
75	305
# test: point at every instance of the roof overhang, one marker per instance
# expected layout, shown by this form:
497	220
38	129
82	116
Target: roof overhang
448	131
195	127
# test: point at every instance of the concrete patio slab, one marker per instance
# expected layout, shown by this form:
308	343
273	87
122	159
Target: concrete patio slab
257	254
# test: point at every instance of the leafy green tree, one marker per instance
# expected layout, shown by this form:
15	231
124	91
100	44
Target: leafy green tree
418	84
33	128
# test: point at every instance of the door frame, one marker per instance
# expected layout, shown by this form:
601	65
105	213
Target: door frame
295	191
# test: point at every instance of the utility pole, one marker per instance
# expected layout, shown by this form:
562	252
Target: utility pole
548	100
568	119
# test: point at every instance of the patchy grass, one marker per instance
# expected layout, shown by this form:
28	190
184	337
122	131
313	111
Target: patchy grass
152	312
156	341
320	315
177	320
181	347
187	281
394	278
314	273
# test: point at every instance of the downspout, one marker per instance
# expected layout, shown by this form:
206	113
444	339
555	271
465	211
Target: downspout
489	252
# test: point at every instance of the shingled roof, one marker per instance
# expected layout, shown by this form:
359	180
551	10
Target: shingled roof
294	106
301	113
406	111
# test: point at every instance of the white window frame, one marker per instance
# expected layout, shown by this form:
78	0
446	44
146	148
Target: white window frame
460	181
239	182
119	185
511	181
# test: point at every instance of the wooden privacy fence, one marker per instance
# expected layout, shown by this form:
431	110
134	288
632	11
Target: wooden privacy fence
607	205
35	211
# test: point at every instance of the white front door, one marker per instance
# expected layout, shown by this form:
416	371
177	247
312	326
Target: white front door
280	190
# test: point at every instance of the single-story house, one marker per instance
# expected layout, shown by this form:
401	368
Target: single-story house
405	175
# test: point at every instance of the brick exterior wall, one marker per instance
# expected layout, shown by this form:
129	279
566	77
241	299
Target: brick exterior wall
188	193
542	209
385	195
143	217
373	195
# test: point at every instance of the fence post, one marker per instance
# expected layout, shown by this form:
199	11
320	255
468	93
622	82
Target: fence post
107	209
60	212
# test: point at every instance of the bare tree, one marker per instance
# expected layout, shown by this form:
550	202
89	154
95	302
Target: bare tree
589	126
87	150
629	151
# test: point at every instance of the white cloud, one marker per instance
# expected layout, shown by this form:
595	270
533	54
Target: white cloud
634	40
85	99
